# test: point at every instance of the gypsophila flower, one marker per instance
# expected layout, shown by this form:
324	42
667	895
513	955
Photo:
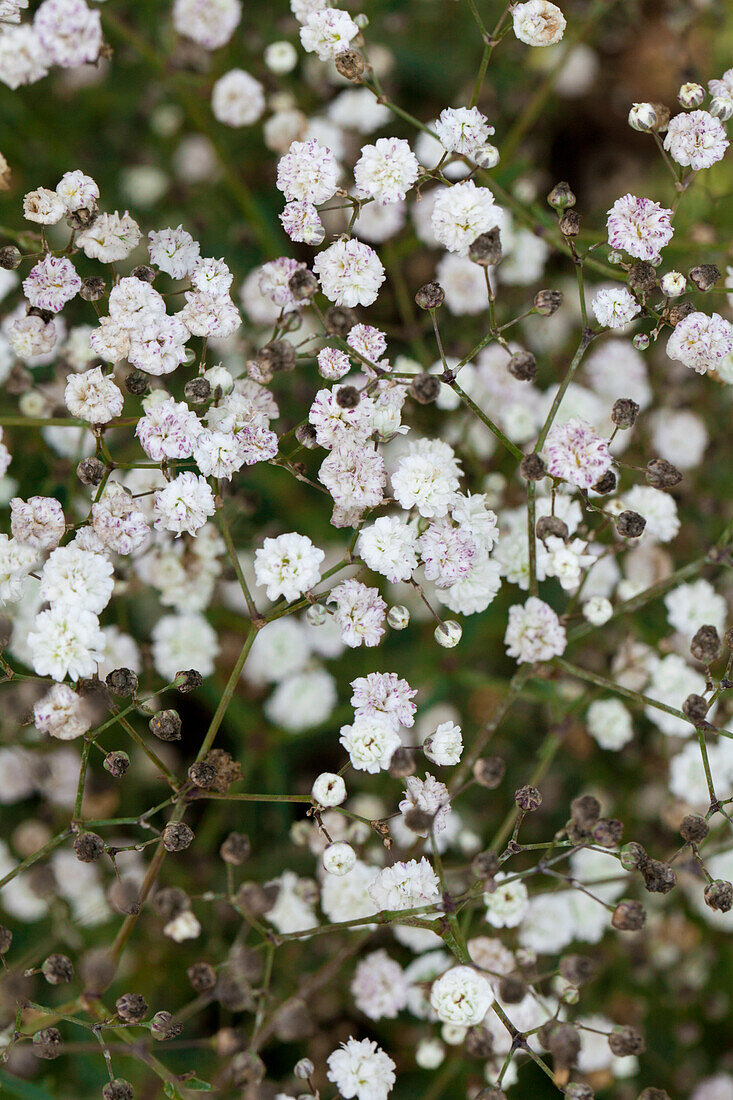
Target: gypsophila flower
169	429
370	742
386	170
361	1069
70	33
701	342
614	308
444	745
77	191
77	578
42	206
16	561
690	606
23	60
389	547
173	251
696	139
52	283
461	213
379	986
639	226
461	996
211	23
237	99
609	723
368	343
431	797
350	273
183	641
354	476
184	504
288	566
117	521
93	396
426	478
65	642
597	610
447	553
337	425
507	903
573	451
110	238
37	522
32	337
61	713
386	694
462	129
538	23
405	885
308	173
327	32
534	632
301	222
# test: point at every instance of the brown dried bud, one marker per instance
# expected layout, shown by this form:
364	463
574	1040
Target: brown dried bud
164	1026
418	821
144	272
607	832
92	288
624	412
650	1093
633	855
47	1043
170	902
547	302
523	366
719	895
585	810
626	1040
705	645
197	391
561	196
679	311
57	969
512	989
339	320
136	383
177	836
402	763
641	277
91	471
425	388
493	1092
302	284
532	467
694	828
551	527
83	217
306	436
350	64
347	397
202	774
489	771
255	899
131	1007
202	977
118	1089
166	725
695	707
188	680
116	763
579	1090
430	296
704	276
661	474
628	916
485	250
485	865
279	356
630	524
479	1042
605	484
577	969
569	223
122	681
88	847
10	257
528	799
564	1044
659	878
236	849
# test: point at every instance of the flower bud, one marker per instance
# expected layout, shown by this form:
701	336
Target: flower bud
704	276
486	249
131	1007
329	790
398	617
166	725
430	296
705	645
661	474
561	196
551	527
532	467
489	771
425	388
642	116
350	64
338	858
630	524
523	366
721	106
235	849
57	969
694	828
624	412
691	95
92	288
628	916
673	284
448	634
10	257
528	799
118	1089
122	681
91	471
88	847
625	1041
719	895
177	836
547	302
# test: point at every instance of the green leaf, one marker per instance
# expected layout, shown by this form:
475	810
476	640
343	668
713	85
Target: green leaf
195	1084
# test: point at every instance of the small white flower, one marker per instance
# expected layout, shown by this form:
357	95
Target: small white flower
461	996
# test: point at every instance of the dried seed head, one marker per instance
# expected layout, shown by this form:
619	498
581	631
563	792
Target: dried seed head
402	763
350	64
695	707
116	763
10	257
202	977
607	832
532	467
719	895
255	899
418	821
118	1089
131	1007
92	288
512	989
659	878
279	356
632	856
628	916
430	296
47	1043
97	970
197	391
528	799
425	388
605	484
485	865
705	645
626	1040
624	412
577	969
164	1026
6	938
704	276
523	366
189	680
561	196
122	681
144	272
569	223
630	524
479	1042
57	969
177	836
679	311
489	771
339	320
694	828
486	250
236	849
136	383
88	847
302	284
347	397
661	474
564	1044
641	277
91	471
166	725
170	902
202	774
547	302
551	527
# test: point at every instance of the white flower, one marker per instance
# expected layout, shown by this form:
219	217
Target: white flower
462	129
70	33
328	32
61	713
609	723
427	477
639	226
302	701
445	745
461	996
184	504
23	60
77	191
386	170
288	565
307	173
672	680
183	927
16	561
690	606
51	283
74	578
696	139
507	904
429	796
360	613
534	632
93	396
388	547
361	1069
370	742
461	213
237	99
658	509
614	308
41	206
329	789
408	885
597	610
211	23
174	251
350	272
538	23
292	912
37	522
701	342
65	642
379	987
181	642
338	858
110	238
